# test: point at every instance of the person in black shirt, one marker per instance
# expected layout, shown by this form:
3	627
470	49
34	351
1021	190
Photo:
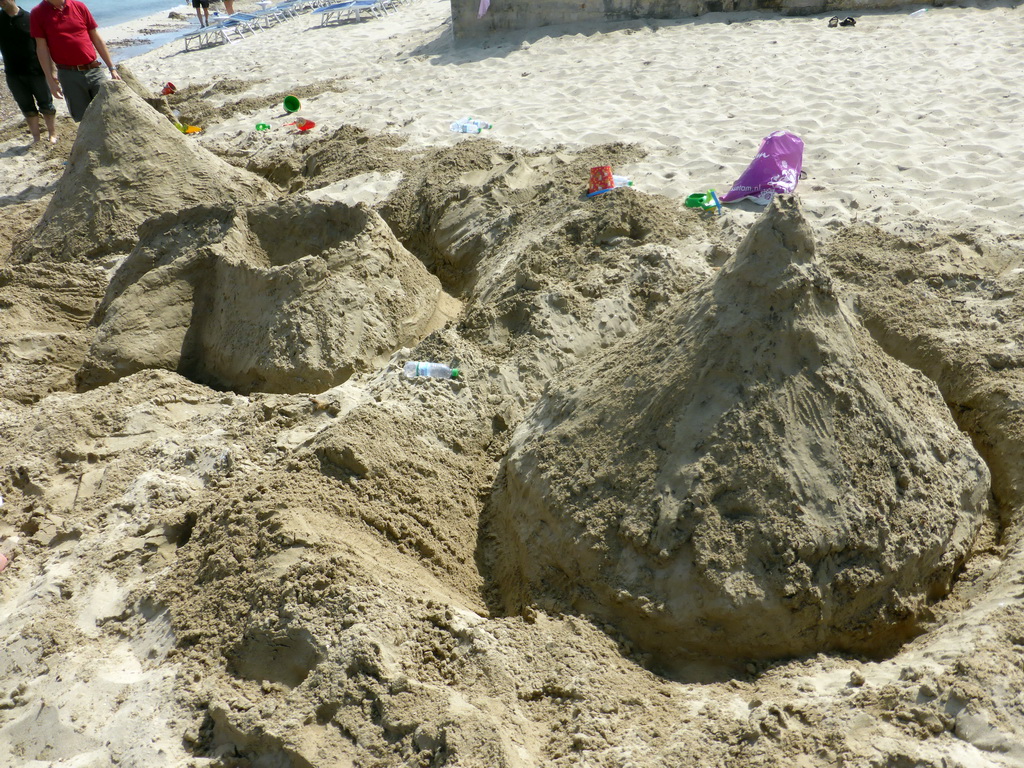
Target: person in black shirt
25	76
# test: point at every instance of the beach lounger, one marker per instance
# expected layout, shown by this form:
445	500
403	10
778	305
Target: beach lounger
256	21
337	12
215	34
286	10
272	15
294	7
237	24
352	9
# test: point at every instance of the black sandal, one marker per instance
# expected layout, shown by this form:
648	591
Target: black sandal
834	21
849	21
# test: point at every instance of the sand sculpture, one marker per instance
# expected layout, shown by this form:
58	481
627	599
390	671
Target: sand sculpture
753	477
294	579
129	164
282	297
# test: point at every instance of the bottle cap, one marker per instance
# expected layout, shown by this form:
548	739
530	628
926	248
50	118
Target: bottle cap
455	373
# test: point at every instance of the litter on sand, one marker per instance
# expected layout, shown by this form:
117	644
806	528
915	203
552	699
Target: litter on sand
302	124
603	180
469	125
774	170
704	200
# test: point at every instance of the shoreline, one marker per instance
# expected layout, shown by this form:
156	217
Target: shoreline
147	33
134	38
125	41
128	40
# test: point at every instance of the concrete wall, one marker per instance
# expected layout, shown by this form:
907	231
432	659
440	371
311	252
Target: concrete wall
505	15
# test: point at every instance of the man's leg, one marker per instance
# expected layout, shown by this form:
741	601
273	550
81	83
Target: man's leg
33	126
44	102
76	91
22	93
50	118
199	12
94	79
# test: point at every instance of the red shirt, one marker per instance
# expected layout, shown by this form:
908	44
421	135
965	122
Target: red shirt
66	31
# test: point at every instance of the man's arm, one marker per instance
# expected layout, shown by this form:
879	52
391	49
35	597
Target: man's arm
101	48
43	54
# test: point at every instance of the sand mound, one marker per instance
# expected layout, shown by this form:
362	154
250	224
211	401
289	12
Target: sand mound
750	477
282	297
44	325
215	579
128	164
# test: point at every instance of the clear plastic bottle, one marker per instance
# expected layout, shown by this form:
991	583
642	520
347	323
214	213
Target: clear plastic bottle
7	550
480	124
415	368
466	125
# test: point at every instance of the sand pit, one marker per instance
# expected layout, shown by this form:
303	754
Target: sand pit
338	573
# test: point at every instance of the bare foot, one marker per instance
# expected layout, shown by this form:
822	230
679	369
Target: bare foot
53	139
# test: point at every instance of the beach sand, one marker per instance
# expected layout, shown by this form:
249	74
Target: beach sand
248	541
891	111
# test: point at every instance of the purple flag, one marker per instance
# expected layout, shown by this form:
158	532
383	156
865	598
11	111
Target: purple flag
775	169
484	5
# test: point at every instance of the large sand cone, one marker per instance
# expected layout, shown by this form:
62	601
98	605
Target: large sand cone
129	164
752	477
292	296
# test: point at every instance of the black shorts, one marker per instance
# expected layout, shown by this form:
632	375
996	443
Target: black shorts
32	94
198	3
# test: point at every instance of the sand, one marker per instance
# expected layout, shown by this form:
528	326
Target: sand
737	489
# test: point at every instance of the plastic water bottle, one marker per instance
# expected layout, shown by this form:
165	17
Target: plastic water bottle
465	126
621	181
7	549
415	368
480	124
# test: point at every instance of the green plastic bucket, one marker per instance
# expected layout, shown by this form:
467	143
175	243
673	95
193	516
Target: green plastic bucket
291	104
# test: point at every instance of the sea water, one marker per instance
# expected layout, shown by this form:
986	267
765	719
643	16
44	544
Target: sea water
110	12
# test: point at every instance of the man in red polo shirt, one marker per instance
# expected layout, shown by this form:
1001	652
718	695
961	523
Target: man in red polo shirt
65	34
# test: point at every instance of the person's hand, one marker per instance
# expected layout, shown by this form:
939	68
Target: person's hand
114	75
55	89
